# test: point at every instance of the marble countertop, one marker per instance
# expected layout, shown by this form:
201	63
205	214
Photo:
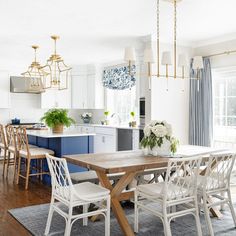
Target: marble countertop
111	126
49	134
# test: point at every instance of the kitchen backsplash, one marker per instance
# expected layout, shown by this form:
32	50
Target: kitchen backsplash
26	108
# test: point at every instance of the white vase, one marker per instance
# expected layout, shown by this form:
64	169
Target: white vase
163	150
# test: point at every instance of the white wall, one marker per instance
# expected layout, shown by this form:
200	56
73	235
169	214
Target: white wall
172	105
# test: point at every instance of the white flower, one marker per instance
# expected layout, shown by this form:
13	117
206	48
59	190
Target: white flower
169	129
159	130
154	122
147	130
164	122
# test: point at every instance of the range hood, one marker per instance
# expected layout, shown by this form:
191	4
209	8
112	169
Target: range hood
20	84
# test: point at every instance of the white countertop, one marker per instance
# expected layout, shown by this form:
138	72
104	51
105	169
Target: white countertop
49	134
110	126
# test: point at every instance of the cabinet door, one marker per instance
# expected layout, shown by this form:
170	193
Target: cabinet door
48	99
104	143
135	139
91	91
57	98
99	143
4	89
79	91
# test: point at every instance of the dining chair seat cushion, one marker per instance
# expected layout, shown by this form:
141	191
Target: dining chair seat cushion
36	152
11	148
84	191
89	190
155	190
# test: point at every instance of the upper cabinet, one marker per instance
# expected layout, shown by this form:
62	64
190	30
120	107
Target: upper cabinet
4	89
52	98
87	88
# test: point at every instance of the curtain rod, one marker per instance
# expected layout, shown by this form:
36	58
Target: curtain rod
222	53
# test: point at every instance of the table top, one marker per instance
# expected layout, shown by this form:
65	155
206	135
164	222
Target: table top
49	134
132	160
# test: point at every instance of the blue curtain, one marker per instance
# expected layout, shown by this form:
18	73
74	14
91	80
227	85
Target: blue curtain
201	106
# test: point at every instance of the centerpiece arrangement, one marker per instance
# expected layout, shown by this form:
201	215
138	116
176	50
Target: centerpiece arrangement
57	119
86	117
158	139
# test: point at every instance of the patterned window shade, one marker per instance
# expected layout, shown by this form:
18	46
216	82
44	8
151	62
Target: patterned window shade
118	78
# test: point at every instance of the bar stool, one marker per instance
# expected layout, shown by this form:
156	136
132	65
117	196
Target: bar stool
4	147
12	148
33	158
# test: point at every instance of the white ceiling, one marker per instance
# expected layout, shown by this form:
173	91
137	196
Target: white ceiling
97	30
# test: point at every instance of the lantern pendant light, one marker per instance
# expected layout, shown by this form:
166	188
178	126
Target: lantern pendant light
35	75
58	71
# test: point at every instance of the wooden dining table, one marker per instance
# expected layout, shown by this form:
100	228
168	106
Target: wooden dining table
130	163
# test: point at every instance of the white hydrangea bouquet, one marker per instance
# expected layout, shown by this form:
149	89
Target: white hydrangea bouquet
158	139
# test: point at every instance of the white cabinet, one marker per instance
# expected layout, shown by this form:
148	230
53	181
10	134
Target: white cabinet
87	88
135	139
105	140
4	89
52	98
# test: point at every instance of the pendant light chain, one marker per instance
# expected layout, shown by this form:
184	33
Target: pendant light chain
175	38
158	38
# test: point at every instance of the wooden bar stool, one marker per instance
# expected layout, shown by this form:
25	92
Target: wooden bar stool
12	148
33	158
3	147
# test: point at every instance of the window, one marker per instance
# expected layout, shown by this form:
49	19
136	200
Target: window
224	92
121	102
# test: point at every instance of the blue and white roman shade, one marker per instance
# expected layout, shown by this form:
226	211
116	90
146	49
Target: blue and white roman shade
119	78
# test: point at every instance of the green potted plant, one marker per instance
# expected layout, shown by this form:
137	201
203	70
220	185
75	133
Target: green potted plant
106	113
57	119
133	121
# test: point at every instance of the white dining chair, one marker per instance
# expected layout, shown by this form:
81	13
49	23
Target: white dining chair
69	195
214	185
169	194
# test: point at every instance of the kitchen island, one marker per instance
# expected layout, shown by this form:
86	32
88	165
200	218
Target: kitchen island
66	143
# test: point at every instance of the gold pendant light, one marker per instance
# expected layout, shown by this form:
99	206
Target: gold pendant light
166	55
58	71
35	75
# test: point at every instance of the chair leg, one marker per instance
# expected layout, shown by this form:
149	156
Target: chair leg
18	171
166	224
49	220
68	223
4	161
231	207
85	219
15	166
8	161
27	173
207	216
197	218
107	223
135	212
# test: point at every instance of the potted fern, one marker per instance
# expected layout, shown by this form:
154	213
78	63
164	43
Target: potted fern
56	119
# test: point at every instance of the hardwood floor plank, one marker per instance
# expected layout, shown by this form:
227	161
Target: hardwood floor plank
15	196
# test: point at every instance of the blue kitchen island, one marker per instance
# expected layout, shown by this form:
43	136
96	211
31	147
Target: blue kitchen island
66	143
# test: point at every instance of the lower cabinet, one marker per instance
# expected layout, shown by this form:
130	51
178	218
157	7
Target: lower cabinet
109	139
105	140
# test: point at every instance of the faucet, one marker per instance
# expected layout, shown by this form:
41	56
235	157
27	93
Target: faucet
118	117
